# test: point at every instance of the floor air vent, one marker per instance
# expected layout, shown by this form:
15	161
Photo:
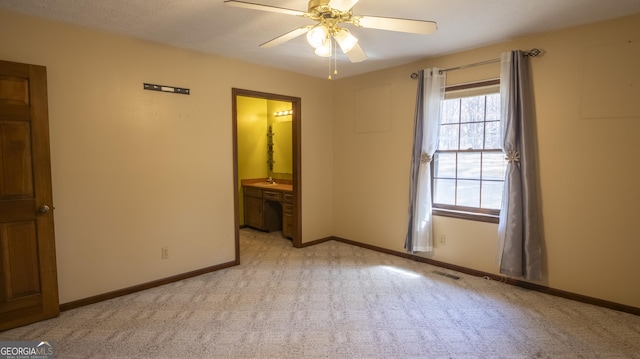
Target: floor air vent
446	275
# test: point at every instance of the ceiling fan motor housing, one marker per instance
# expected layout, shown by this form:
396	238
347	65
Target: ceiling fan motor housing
320	10
313	4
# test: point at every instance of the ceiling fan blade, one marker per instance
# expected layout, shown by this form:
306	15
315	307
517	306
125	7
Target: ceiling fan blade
286	37
356	54
394	24
342	5
249	5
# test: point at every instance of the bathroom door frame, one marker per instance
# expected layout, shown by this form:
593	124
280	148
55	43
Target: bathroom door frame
296	106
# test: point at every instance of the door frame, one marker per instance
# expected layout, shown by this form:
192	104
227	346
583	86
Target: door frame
296	106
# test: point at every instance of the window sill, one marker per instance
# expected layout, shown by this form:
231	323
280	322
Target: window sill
479	217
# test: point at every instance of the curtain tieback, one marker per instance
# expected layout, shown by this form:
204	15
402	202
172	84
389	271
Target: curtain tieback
425	158
512	156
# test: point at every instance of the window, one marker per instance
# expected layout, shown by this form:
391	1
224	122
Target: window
469	166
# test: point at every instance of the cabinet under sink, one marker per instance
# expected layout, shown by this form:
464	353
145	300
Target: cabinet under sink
269	208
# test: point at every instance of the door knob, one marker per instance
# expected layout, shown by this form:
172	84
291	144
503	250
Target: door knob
44	209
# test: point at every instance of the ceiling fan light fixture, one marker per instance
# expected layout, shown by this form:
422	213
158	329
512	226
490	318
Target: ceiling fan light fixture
317	36
325	49
345	40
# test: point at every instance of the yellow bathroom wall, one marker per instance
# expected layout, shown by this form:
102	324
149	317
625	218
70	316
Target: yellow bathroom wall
254	116
252	143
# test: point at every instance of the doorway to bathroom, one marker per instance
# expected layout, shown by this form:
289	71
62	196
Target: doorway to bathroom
266	161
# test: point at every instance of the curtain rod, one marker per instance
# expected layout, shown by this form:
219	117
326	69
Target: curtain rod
531	53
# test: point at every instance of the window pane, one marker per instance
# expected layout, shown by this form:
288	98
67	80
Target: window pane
450	111
471	136
445	191
493	166
472	109
444	165
468	193
493	107
469	165
448	137
492	194
492	133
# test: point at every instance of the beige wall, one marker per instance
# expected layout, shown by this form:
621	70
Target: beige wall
134	170
588	166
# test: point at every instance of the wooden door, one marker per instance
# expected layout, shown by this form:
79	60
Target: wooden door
28	284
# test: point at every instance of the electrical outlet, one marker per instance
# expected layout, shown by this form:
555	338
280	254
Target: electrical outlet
165	252
443	239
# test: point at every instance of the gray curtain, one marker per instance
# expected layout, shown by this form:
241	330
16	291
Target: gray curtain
519	247
429	97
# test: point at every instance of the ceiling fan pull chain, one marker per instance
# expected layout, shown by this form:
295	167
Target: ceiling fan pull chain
331	46
335	59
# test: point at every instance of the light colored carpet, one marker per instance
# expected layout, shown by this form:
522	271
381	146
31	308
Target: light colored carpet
335	300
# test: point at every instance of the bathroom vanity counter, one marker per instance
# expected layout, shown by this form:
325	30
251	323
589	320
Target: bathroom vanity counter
270	186
268	206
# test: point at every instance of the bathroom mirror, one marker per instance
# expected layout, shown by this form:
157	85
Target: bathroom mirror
282	155
279	121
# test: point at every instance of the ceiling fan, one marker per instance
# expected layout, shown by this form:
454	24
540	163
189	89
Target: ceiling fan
330	15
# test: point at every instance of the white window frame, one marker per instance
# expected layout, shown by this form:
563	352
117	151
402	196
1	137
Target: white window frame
458	211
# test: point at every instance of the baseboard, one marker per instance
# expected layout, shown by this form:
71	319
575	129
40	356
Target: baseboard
144	286
163	281
317	241
507	280
457	268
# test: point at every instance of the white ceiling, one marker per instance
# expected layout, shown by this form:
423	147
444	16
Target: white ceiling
212	27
